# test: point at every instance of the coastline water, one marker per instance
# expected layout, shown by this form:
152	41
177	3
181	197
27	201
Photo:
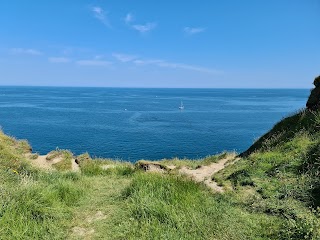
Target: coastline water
133	124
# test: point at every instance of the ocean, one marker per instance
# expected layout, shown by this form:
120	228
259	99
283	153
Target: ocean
138	123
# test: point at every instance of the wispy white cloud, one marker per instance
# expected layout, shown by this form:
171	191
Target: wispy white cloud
124	57
144	28
166	64
59	60
193	30
101	15
90	62
98	57
163	63
190	67
147	62
129	18
28	51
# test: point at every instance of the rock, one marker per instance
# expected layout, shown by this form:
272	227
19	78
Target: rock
150	166
316	81
85	157
313	102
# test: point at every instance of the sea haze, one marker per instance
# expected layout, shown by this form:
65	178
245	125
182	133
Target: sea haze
133	124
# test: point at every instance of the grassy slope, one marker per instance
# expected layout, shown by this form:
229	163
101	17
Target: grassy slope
280	176
273	194
33	204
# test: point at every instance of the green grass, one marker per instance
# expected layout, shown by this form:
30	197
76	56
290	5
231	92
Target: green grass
104	194
280	176
66	163
172	207
99	166
273	192
34	156
54	154
33	204
36	210
196	162
302	121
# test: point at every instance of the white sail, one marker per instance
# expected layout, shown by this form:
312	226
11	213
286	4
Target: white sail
181	106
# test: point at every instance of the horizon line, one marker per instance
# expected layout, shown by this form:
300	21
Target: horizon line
52	86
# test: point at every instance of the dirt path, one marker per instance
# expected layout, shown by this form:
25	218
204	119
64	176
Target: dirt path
101	213
42	162
204	173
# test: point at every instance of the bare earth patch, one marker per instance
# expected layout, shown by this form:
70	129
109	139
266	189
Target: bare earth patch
75	166
97	217
82	232
42	162
204	173
105	167
171	167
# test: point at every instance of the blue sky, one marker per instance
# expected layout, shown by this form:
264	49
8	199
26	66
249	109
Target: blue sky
127	43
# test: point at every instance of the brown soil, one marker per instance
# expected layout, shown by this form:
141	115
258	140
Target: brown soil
97	217
204	173
82	233
43	163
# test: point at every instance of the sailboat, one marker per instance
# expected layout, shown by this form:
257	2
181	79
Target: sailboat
181	106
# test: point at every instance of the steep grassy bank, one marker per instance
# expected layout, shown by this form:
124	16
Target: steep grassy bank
271	193
280	176
33	204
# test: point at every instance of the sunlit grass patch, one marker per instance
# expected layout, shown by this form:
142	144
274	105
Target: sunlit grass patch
66	162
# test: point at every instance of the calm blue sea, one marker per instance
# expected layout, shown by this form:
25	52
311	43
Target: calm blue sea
133	124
